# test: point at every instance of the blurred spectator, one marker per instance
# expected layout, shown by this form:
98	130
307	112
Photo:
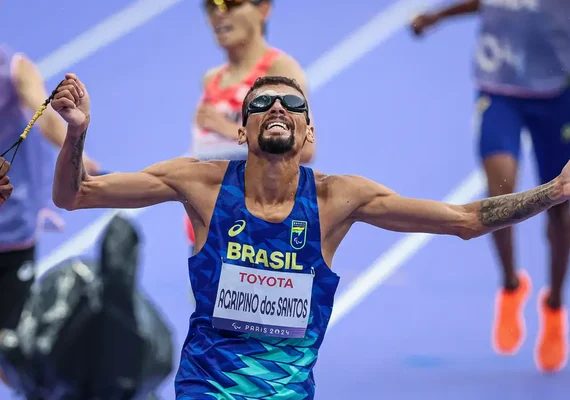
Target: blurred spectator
522	68
22	92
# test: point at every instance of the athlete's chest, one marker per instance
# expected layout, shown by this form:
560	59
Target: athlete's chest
266	276
270	245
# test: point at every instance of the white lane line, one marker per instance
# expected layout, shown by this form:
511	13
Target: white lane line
103	34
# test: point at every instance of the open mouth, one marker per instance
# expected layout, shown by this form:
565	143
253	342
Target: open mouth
277	127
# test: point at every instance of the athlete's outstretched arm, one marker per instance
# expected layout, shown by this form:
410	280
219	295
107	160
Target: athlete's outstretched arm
379	206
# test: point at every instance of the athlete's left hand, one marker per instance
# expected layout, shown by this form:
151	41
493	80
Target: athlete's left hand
5	185
211	119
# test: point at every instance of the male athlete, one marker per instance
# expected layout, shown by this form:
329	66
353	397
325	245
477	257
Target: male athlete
239	27
267	229
5	185
522	70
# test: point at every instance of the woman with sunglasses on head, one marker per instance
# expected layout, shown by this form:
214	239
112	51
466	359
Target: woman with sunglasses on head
239	28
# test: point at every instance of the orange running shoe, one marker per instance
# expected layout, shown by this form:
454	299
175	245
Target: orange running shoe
509	329
551	350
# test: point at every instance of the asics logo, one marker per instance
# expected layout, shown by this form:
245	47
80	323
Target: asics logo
238	228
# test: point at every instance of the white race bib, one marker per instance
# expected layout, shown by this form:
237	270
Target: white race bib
263	302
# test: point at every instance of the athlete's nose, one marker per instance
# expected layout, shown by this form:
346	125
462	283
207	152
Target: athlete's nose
277	108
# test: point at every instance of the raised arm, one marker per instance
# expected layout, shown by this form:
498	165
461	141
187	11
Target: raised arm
424	21
379	206
73	188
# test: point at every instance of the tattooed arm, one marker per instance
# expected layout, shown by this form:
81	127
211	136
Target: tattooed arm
497	212
377	205
69	171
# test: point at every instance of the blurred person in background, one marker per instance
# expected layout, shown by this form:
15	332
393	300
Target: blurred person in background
239	27
5	185
22	92
522	71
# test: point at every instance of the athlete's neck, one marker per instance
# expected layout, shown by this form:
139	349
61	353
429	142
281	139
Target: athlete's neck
271	181
246	55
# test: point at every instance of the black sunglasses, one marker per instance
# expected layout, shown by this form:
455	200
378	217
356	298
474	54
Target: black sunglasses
264	102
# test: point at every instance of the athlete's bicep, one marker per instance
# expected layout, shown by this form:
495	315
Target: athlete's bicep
153	185
379	206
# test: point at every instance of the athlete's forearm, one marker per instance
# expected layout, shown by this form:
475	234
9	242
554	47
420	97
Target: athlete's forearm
466	7
69	170
499	212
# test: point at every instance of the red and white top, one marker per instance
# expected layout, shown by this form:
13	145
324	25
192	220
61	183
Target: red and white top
208	145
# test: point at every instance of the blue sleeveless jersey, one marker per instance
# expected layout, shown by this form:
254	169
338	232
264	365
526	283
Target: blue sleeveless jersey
264	297
32	171
523	48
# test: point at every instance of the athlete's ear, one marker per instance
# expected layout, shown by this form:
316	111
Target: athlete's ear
242	135
264	9
310	134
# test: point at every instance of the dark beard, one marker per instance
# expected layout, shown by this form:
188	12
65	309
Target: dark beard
276	145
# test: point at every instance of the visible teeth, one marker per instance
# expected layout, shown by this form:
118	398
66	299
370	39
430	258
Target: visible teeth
279	124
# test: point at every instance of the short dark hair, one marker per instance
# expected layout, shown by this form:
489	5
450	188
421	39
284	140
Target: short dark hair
269	81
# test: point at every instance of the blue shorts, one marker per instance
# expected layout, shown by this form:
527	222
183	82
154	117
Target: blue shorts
502	119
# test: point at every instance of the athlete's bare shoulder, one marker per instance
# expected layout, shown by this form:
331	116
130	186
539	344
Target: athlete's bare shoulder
196	182
287	65
332	187
340	195
184	172
332	195
209	75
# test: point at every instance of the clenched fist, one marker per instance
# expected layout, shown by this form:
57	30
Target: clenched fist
71	101
5	185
